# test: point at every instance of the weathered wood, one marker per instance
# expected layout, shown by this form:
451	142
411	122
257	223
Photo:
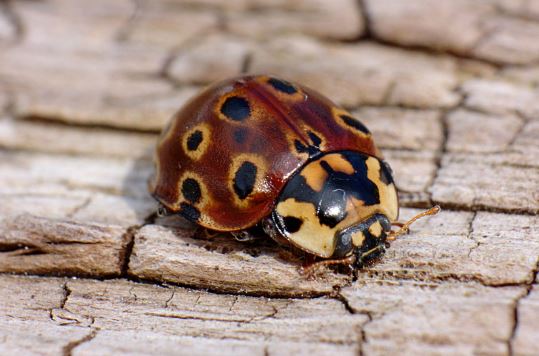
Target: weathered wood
42	136
44	246
522	74
403	316
526	331
111	191
463	182
414	172
448	318
403	129
184	312
406	77
497	31
85	87
501	97
159	319
222	264
210	59
340	19
494	249
497	134
26	326
503	153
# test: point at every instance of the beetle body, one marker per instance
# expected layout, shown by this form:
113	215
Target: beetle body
257	150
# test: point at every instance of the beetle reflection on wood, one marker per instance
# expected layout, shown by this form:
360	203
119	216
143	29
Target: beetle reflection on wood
259	154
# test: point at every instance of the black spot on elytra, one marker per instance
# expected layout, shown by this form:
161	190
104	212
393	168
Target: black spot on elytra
189	212
194	140
330	202
240	135
282	86
191	190
313	149
292	224
300	147
356	124
386	173
236	108
244	179
315	139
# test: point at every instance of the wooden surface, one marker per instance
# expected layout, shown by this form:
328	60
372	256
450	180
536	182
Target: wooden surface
450	90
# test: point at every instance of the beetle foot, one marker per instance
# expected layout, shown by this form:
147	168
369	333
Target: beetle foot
202	233
245	236
311	270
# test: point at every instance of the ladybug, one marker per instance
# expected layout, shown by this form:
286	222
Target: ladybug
258	153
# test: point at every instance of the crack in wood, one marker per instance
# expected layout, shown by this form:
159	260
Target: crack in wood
477	207
362	335
124	31
246	63
68	349
7	8
515	310
367	22
177	51
442	150
129	238
425	276
470	233
59	122
82	206
169	299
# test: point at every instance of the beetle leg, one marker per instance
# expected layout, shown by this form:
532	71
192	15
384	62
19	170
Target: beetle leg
406	226
310	270
201	233
364	255
162	211
244	236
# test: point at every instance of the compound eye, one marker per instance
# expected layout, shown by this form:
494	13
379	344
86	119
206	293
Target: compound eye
343	244
384	221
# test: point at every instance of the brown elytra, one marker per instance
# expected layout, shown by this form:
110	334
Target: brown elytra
226	155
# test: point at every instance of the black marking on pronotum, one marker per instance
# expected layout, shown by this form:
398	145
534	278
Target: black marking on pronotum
191	190
194	140
236	108
240	135
330	201
292	224
386	173
332	207
356	124
244	179
189	212
282	86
